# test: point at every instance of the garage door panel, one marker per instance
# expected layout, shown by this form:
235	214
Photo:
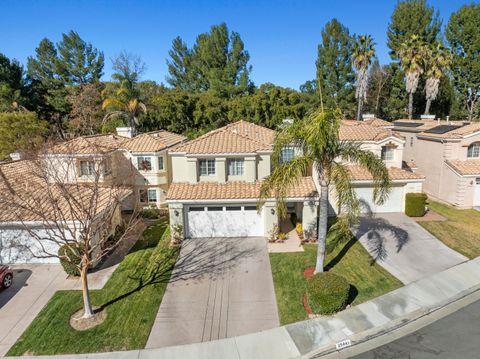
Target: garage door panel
224	223
394	202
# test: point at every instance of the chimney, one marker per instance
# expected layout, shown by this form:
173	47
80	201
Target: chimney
125	132
367	116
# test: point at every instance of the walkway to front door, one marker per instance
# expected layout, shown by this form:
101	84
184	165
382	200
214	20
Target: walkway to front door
221	287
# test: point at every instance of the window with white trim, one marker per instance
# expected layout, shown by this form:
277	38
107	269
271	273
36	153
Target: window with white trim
160	163
473	150
148	195
387	153
87	168
287	154
144	163
206	167
236	167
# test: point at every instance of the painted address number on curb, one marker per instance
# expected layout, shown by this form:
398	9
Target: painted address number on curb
343	344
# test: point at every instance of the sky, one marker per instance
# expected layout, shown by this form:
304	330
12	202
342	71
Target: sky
281	36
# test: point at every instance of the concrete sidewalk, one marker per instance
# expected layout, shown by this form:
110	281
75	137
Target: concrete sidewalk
403	247
318	336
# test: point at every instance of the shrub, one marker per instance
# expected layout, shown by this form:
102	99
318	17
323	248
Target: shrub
415	204
299	229
327	293
70	266
150	213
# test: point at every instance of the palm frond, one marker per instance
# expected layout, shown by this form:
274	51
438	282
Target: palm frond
347	198
112	103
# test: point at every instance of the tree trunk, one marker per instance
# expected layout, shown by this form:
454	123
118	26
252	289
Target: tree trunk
322	227
359	109
87	305
427	106
410	105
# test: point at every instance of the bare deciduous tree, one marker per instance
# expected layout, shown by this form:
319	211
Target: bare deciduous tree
71	202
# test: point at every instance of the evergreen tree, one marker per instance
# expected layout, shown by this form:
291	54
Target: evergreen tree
179	66
463	36
334	68
412	17
11	84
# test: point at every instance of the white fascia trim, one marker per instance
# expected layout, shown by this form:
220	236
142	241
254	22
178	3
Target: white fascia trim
79	155
459	174
229	154
33	224
472	134
390	138
245	200
393	181
177	153
436	139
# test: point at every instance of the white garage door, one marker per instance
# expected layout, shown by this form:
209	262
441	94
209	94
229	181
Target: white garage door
18	246
394	203
224	221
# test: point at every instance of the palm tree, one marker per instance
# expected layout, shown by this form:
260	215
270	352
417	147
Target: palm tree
412	54
124	106
317	138
363	53
438	62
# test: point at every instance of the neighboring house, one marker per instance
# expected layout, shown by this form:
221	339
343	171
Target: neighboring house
448	154
56	215
152	165
389	145
216	180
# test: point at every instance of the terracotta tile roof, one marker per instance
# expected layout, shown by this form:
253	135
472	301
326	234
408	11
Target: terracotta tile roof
238	137
233	190
360	131
459	132
33	191
153	141
90	145
465	168
377	122
359	173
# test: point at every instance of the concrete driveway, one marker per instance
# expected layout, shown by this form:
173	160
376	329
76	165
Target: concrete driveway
220	288
403	247
33	285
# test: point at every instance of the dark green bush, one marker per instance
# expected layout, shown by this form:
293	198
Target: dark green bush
415	204
327	293
70	267
150	213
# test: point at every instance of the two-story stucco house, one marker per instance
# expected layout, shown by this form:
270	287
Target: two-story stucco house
448	154
151	165
217	177
377	137
216	182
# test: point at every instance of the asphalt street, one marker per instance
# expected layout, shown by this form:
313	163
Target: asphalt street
454	336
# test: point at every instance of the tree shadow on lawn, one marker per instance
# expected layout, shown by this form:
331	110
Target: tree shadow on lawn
196	259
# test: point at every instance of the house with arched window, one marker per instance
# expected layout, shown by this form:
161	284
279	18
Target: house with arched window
448	154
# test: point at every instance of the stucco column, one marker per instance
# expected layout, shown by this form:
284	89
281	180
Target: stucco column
192	172
221	169
270	218
177	225
309	217
250	169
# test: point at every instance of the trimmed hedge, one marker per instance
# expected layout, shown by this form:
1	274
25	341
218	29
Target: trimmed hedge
327	293
415	204
70	267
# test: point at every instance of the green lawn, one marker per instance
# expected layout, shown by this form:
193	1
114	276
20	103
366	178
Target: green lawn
131	298
462	230
350	260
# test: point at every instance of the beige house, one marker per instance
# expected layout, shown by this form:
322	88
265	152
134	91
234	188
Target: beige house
216	180
448	154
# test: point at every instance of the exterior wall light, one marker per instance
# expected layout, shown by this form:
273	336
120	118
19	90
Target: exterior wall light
176	213
272	211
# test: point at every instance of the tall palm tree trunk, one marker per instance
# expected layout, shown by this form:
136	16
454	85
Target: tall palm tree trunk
410	105
427	106
359	109
322	227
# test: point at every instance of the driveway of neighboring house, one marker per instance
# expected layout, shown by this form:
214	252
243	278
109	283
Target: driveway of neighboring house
403	247
220	287
33	285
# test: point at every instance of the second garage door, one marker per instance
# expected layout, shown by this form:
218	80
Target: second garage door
224	221
394	203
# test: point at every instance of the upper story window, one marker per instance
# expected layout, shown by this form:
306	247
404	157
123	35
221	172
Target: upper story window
387	153
160	163
206	167
87	168
473	150
236	167
144	163
148	195
288	154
